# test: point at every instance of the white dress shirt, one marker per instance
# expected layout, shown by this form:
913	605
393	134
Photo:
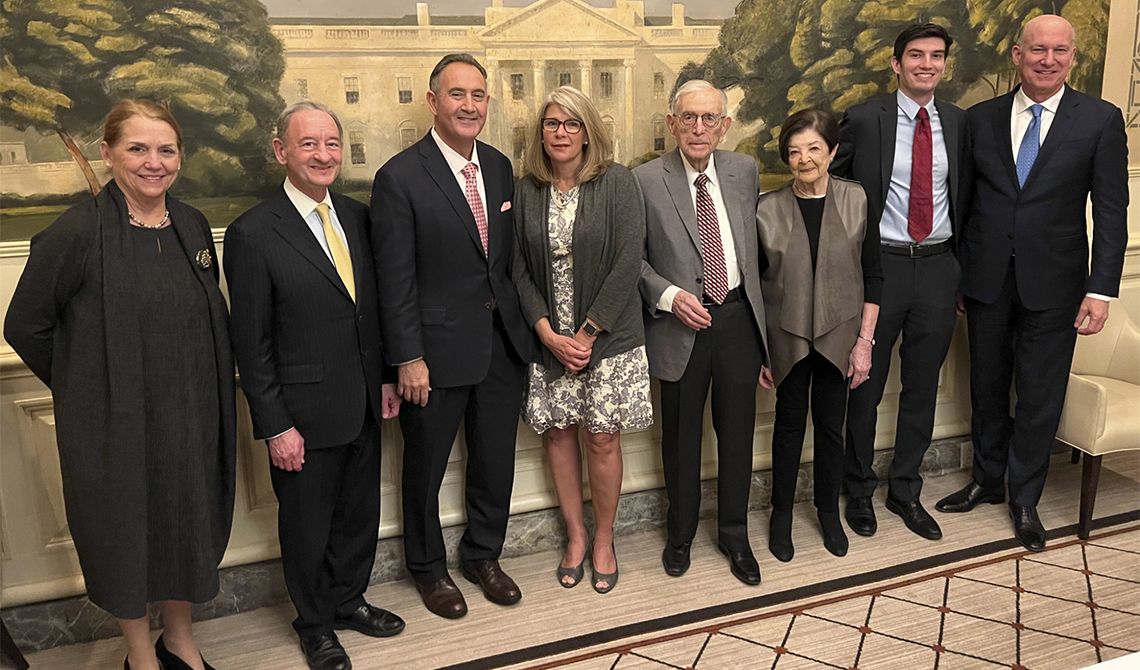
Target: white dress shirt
893	228
307	208
665	302
457	162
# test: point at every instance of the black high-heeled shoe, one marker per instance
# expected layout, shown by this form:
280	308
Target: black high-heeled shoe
171	661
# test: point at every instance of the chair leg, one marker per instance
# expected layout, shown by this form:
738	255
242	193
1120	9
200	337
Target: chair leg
1076	456
9	651
1090	477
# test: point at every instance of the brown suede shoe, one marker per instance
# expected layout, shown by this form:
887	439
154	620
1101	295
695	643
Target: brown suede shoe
443	597
497	586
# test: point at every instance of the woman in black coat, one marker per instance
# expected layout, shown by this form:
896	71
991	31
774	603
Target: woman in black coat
118	312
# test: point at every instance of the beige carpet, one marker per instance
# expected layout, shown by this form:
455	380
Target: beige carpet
819	610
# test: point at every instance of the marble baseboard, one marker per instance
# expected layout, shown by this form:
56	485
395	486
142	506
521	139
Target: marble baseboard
39	626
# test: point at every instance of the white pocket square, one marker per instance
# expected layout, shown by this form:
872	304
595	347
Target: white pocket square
506	206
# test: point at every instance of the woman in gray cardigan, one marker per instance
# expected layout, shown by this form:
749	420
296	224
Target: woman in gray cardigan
580	230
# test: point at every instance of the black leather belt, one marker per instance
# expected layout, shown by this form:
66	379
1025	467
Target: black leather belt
732	296
916	250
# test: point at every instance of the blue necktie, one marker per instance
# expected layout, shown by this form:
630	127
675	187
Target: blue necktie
1030	144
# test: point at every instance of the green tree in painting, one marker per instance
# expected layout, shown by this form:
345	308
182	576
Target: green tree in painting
214	62
832	54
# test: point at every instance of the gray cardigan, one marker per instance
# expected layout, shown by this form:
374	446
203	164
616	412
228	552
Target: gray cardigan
609	235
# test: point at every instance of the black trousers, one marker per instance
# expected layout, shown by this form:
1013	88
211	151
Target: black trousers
728	356
328	520
813	376
1034	350
490	413
918	303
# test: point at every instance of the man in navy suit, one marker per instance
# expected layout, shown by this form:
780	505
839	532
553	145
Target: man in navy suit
1039	153
306	336
443	238
907	150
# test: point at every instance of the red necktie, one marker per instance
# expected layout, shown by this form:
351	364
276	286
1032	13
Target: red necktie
920	215
476	203
712	249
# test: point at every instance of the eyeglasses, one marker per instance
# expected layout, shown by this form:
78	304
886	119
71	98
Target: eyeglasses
572	126
709	120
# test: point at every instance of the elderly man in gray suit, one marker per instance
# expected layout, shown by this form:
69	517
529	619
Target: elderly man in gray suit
704	318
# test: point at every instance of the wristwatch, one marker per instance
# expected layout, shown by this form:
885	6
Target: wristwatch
590	328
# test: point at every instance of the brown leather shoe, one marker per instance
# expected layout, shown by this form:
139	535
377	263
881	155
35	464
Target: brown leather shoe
443	597
497	586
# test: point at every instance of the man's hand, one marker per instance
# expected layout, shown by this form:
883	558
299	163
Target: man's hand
287	450
389	401
1092	316
414	383
689	310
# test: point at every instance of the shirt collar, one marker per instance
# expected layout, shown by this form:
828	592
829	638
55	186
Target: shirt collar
910	107
691	172
304	204
454	159
1022	102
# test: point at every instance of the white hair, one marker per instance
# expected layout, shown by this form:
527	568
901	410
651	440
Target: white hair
692	86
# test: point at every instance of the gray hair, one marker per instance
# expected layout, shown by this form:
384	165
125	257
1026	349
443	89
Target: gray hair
286	116
692	86
433	81
1024	28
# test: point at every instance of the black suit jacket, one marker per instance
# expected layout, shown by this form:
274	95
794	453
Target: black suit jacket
867	152
308	355
1043	224
438	291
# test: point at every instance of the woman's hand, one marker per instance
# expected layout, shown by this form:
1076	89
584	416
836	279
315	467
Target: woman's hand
570	352
859	362
766	380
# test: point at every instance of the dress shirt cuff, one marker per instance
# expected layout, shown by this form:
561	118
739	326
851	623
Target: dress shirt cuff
665	302
417	358
1106	298
280	434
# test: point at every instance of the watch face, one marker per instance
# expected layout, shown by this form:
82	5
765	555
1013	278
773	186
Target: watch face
591	330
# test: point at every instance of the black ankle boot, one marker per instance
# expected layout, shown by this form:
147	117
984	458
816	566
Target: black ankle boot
833	536
780	535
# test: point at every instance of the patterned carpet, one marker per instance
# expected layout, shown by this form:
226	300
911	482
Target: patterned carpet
1074	605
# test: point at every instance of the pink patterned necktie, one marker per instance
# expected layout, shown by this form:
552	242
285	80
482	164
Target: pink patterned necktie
476	203
712	249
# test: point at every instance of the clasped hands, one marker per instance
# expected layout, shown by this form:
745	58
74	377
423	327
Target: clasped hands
572	352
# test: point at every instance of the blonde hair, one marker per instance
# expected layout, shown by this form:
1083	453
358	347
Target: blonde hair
130	107
596	155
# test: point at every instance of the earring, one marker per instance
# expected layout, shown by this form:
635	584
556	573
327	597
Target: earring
586	142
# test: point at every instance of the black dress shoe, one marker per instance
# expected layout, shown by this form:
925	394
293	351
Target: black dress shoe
168	660
966	499
860	515
917	519
371	621
676	558
497	586
442	597
780	536
1027	527
323	652
834	539
743	565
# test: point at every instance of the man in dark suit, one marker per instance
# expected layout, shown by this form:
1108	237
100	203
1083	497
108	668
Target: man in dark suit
1039	153
704	322
443	237
906	149
306	336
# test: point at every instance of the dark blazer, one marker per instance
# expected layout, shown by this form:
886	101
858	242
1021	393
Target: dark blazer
609	233
1085	153
867	152
673	250
307	355
438	291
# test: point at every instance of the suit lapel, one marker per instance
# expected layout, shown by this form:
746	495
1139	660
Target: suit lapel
352	228
677	183
437	167
888	127
950	133
1000	122
1058	131
729	186
293	229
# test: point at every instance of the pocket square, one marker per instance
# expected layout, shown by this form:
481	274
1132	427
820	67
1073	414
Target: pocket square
506	206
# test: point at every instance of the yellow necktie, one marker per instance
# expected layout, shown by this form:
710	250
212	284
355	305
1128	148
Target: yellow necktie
339	251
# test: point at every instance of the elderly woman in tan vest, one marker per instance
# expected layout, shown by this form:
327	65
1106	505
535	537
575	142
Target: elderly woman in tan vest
821	281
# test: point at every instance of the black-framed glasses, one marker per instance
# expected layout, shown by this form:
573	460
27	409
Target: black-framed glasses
708	119
572	126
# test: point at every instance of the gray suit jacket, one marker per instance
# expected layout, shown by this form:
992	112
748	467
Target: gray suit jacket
673	250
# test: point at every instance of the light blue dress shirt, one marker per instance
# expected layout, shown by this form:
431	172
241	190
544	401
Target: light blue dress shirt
893	227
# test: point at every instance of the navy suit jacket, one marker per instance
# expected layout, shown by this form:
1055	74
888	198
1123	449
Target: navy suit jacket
438	291
307	354
1043	224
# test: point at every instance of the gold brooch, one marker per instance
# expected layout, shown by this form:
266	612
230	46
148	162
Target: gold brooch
205	260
